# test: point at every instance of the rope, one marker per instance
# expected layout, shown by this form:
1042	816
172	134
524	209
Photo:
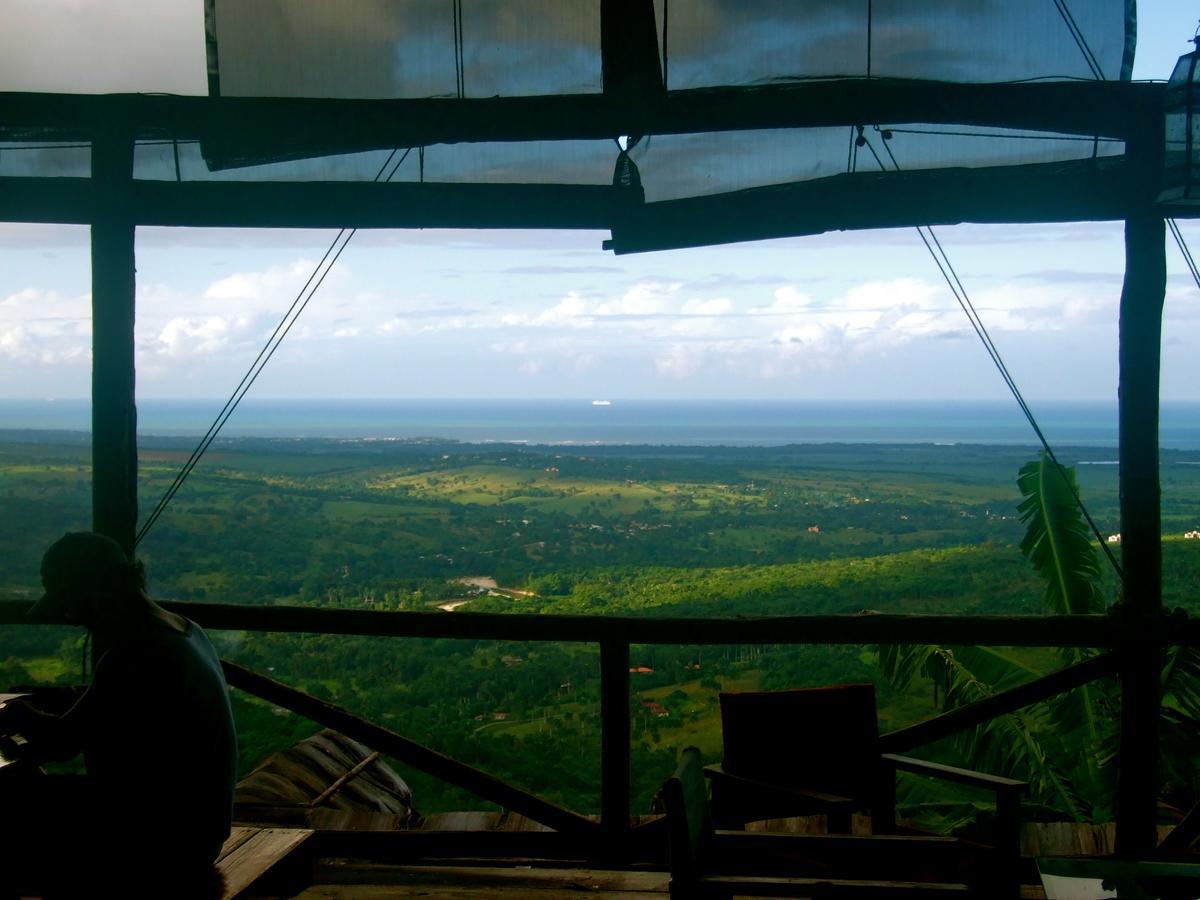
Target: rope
1089	57
1183	248
666	20
1093	62
942	261
298	305
459	84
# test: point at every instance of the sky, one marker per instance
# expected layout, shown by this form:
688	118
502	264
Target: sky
861	316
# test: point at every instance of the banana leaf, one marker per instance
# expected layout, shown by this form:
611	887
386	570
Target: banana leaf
1057	541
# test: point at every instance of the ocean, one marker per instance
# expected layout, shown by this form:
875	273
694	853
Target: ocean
583	422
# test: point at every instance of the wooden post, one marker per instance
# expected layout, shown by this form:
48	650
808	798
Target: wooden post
629	60
114	415
1141	531
614	745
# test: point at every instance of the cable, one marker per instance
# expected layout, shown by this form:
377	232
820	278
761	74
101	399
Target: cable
942	261
1183	248
1080	41
459	80
298	305
666	19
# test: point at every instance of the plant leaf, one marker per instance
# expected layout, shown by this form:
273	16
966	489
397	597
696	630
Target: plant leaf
1057	541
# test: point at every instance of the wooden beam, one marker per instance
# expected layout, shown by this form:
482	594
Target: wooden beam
409	752
1141	530
317	204
629	60
1180	838
241	129
114	415
1083	190
1048	192
1003	631
972	714
1011	631
614	745
994	631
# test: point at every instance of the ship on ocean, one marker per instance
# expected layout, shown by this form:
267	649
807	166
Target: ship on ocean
601	403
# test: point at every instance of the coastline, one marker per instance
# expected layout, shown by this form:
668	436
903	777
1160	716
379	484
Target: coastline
627	423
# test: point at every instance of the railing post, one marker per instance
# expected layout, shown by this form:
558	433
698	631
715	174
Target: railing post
614	745
1141	530
114	415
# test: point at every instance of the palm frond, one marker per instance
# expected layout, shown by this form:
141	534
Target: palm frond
1057	541
901	663
1013	744
1181	680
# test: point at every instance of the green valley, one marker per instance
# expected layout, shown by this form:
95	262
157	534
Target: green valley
642	531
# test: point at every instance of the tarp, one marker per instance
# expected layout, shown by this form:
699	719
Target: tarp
487	48
509	48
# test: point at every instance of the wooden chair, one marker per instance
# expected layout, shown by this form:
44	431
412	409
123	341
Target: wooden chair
816	751
711	863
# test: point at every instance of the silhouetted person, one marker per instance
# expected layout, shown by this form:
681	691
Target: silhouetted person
156	733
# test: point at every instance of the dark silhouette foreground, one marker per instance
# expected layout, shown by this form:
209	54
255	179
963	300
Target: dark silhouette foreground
156	733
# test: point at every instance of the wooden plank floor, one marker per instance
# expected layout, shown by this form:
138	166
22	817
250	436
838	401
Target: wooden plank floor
504	883
343	881
251	853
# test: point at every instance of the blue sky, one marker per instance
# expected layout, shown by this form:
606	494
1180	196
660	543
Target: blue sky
859	316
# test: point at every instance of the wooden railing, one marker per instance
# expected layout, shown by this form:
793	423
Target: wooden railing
615	635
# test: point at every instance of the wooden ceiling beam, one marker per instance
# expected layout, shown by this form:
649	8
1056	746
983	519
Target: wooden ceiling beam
242	129
1086	190
629	58
319	204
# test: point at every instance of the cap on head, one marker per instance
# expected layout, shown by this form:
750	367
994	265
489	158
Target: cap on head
79	562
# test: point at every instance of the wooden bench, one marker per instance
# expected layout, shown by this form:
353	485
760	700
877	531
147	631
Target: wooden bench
254	855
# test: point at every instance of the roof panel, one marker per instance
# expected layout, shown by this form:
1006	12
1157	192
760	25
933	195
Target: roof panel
485	48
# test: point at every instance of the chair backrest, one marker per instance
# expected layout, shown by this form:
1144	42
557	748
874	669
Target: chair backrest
823	738
685	795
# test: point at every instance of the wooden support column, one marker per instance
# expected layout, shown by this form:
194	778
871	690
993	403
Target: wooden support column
629	60
114	416
614	745
1141	532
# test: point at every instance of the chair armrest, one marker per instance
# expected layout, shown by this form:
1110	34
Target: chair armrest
836	801
952	773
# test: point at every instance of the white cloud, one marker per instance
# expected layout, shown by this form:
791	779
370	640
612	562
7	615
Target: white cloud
718	306
394	325
271	283
197	336
44	327
645	298
680	361
571	310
